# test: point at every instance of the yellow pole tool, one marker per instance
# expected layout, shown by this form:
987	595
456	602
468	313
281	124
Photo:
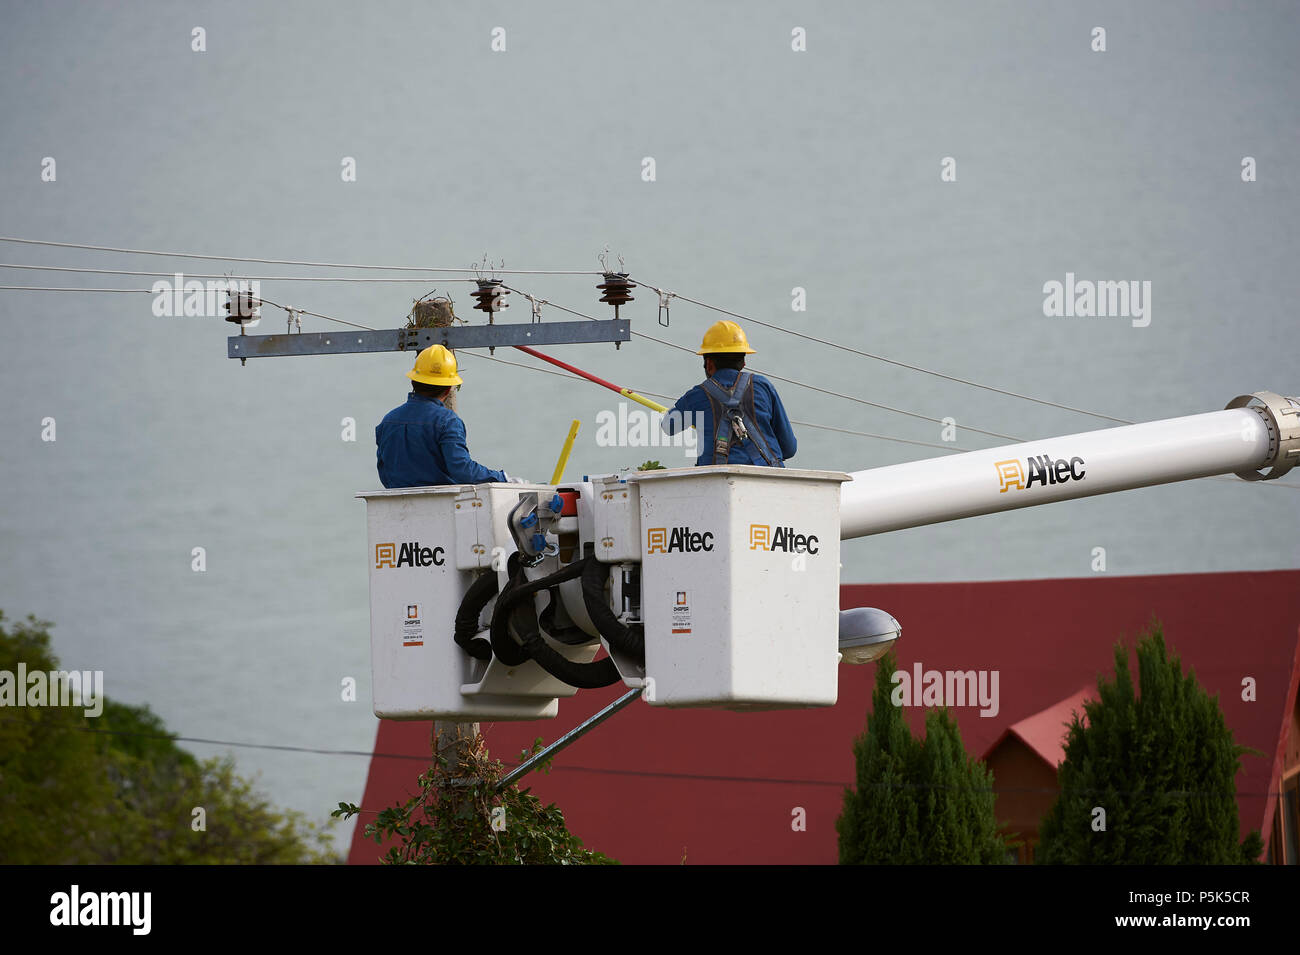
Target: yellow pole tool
564	453
641	399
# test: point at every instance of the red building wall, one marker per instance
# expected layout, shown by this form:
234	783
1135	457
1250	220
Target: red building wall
654	785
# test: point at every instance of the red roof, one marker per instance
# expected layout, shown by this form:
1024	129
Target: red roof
653	785
1045	731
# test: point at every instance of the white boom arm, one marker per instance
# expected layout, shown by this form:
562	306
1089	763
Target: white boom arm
1254	432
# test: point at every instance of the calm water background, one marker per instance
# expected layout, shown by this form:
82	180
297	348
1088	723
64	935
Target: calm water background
775	169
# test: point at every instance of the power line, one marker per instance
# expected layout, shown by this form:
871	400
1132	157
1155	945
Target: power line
685	298
653	394
806	424
149	291
317	265
64	288
827	427
212	742
791	381
214	275
604	770
901	364
479	269
902	411
864	401
683	348
882	437
327	318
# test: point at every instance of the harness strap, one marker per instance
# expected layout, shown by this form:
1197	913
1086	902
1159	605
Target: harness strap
734	417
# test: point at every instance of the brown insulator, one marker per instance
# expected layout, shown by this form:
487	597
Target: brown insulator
616	290
491	296
243	307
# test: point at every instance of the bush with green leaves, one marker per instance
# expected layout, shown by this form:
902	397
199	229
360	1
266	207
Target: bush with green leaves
450	819
117	789
916	801
1160	761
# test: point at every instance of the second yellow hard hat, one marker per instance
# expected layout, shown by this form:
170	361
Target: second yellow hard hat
436	365
723	337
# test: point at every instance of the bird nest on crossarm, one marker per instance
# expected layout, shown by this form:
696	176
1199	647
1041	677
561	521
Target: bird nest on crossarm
432	311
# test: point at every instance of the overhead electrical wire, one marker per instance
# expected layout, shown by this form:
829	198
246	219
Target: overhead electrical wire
303	311
149	291
600	770
317	265
791	381
480	269
804	424
491	358
65	288
825	427
807	424
901	364
245	278
661	292
863	400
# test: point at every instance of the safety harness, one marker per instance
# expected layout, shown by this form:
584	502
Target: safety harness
733	412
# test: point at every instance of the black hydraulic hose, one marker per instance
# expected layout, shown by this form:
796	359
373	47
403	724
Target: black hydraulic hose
509	651
506	648
572	636
585	676
482	590
629	641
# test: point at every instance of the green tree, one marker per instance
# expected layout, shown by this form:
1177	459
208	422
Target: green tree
917	801
1160	762
450	819
117	789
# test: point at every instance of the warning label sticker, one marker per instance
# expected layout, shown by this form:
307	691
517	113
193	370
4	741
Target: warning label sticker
412	627
681	616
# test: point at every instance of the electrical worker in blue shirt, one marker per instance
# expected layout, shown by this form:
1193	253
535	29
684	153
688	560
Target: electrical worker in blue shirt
745	422
422	442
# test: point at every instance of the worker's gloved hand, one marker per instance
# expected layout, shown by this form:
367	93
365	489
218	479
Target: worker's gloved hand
515	480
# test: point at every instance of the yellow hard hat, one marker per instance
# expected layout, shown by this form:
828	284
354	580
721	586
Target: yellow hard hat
725	336
436	365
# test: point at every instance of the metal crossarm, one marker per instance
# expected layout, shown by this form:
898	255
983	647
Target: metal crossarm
416	339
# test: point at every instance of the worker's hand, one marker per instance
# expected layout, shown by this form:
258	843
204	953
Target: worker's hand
515	480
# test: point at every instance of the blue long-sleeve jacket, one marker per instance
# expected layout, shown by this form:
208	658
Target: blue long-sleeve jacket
422	442
772	421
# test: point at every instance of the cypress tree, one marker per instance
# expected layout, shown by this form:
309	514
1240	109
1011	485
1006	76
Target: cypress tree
916	801
960	827
1160	763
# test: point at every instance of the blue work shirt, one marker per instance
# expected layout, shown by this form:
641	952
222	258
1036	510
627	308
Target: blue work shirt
772	421
423	442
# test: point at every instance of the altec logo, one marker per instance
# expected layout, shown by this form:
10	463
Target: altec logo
786	539
1042	469
410	555
681	540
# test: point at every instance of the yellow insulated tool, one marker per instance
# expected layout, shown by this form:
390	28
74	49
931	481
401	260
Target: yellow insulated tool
564	452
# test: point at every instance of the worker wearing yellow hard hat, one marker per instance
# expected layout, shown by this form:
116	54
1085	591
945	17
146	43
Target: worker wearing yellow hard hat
422	442
436	365
743	419
725	338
